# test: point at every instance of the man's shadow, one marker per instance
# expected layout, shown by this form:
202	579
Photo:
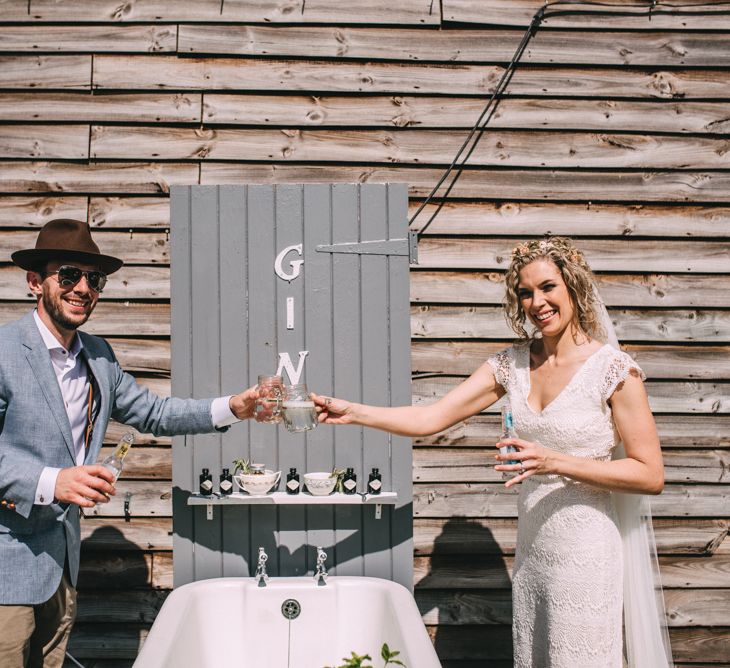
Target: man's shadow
120	591
463	590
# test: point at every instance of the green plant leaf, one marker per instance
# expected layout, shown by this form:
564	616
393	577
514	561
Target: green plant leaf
339	474
356	661
389	655
243	465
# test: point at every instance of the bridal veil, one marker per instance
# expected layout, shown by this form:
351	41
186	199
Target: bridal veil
645	629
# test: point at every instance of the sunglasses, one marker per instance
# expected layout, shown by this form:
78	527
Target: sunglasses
69	275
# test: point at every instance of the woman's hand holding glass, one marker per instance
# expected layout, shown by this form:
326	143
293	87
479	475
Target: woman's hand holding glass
334	411
532	459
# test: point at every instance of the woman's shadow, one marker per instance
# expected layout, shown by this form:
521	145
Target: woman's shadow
120	591
463	590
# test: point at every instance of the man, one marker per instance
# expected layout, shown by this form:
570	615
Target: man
59	388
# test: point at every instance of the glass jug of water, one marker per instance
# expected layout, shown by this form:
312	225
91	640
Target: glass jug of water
298	409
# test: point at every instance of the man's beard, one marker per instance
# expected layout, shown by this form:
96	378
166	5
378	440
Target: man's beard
56	314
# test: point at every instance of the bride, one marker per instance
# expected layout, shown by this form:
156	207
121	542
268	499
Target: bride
583	581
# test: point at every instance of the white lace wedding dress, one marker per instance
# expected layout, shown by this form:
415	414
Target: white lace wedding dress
567	585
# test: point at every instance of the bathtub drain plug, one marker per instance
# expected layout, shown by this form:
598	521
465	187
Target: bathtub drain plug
291	608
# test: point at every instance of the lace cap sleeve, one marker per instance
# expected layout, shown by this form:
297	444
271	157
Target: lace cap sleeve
619	366
500	363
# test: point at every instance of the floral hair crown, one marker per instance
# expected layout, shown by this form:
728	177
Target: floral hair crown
522	249
543	247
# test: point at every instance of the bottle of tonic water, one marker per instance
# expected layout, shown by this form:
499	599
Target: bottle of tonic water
508	431
115	461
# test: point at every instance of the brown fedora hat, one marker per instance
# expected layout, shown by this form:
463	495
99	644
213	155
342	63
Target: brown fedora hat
65	239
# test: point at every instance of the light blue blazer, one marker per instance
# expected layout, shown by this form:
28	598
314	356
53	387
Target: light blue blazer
35	540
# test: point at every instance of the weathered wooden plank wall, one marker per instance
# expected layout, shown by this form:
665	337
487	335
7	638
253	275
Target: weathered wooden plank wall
615	132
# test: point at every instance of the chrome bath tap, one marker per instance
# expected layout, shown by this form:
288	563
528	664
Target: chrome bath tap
320	573
261	577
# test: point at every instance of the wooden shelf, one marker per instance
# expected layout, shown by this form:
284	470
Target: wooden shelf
283	498
303	498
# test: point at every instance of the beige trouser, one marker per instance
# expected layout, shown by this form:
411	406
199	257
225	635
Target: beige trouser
35	636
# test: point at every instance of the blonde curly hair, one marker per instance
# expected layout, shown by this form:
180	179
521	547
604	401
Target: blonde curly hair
576	274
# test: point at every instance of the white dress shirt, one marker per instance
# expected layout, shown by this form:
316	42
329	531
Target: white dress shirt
73	379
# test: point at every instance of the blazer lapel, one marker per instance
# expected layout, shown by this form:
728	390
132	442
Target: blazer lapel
40	362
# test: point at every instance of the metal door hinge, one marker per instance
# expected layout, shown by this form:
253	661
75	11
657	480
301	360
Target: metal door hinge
407	246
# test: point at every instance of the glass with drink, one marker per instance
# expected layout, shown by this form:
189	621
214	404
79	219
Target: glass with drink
270	391
298	409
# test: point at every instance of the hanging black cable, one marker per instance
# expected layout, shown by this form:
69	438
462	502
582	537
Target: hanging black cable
546	11
478	128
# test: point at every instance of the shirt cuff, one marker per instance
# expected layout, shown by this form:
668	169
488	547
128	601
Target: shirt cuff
46	489
221	414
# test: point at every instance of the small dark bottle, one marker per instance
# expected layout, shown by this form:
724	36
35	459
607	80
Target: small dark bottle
349	482
374	482
206	483
226	485
292	482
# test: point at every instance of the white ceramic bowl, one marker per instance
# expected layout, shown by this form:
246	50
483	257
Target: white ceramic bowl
257	484
320	483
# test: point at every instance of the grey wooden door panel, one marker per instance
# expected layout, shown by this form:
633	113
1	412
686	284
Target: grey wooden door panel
347	365
375	297
182	383
233	267
317	272
401	454
288	230
205	297
231	323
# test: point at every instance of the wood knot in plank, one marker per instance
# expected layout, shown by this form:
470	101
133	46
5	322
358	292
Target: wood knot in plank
676	49
181	100
618	142
627	229
202	151
405	117
316	115
123	11
288	9
344	43
158	38
720	125
722	149
508	210
665	85
403	121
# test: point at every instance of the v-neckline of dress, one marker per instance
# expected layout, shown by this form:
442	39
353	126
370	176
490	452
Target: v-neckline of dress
528	369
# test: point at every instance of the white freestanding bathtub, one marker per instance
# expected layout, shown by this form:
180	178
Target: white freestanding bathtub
232	621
